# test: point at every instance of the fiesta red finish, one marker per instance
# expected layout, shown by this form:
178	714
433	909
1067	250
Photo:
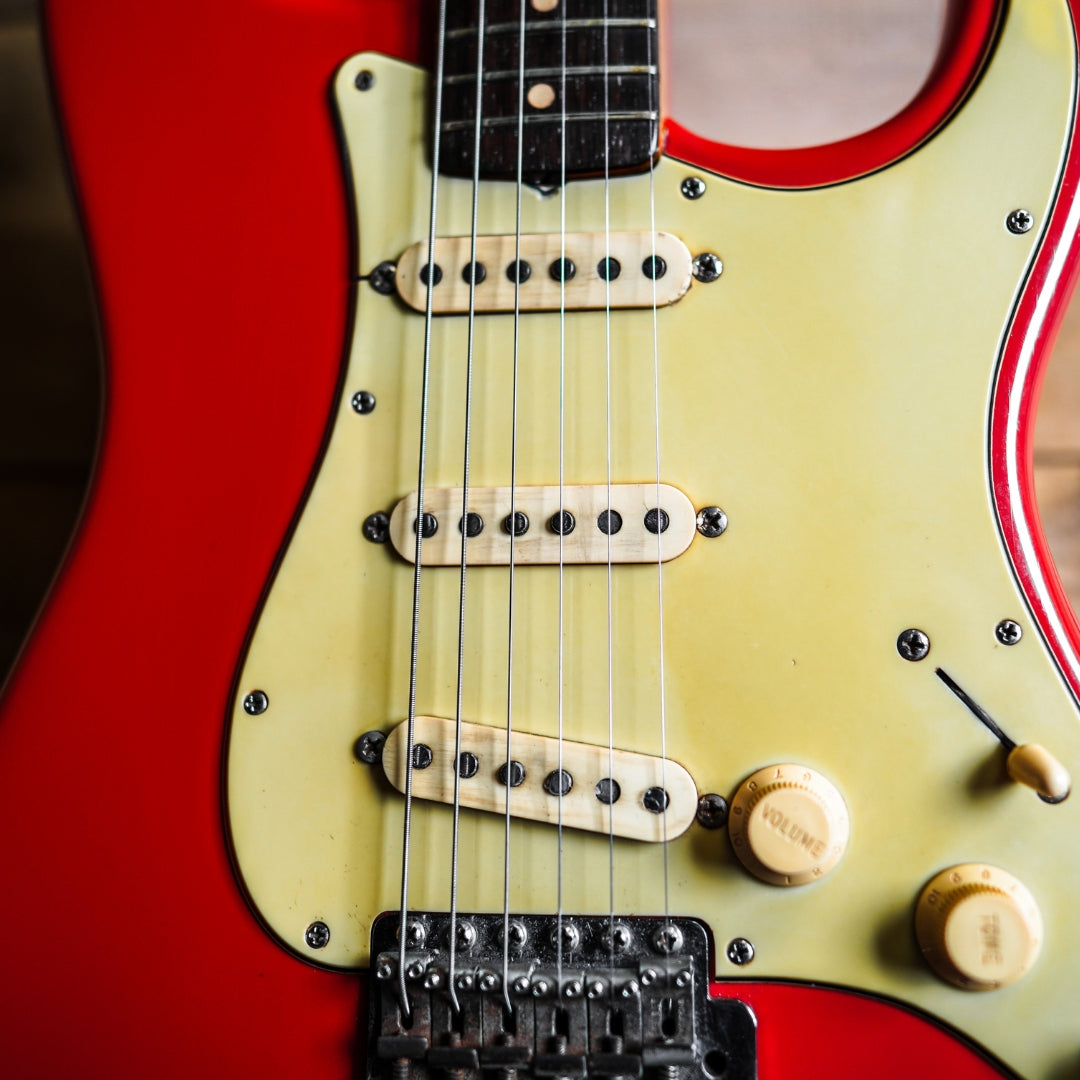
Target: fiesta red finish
210	181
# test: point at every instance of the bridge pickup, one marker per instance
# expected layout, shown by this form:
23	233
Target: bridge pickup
635	257
626	795
633	522
626	997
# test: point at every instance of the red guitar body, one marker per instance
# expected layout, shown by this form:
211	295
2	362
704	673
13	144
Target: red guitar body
210	183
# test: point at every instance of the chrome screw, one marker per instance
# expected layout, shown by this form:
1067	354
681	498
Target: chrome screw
648	977
433	979
365	80
317	935
369	747
363	402
712	811
521	984
541	988
1020	222
465	981
518	935
711	521
682	980
913	645
256	703
693	187
382	278
619	937
385	970
465	935
415	933
489	981
571	938
740	951
415	970
1008	632
572	989
707	267
667	938
629	989
596	989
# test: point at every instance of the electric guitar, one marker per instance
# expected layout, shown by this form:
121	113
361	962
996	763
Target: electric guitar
558	597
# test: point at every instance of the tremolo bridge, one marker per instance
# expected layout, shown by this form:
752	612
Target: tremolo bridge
623	998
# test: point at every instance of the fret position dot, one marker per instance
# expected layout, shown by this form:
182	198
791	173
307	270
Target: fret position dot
540	95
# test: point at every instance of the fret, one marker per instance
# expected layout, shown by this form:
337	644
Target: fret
553	24
602	74
554	73
547	118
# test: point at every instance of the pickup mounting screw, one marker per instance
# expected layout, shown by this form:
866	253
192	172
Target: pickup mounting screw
363	402
693	187
365	79
712	811
382	278
368	748
1020	222
913	644
1008	632
256	703
416	933
711	521
377	528
317	935
707	267
740	951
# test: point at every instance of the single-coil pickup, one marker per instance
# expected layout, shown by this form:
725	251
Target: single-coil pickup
547	272
587	523
631	794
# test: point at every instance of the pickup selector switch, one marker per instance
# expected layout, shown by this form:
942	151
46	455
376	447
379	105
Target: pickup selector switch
788	824
978	927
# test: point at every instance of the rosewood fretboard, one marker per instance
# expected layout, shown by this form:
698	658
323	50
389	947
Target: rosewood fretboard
619	51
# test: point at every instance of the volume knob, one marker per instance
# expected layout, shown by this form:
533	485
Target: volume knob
978	927
788	824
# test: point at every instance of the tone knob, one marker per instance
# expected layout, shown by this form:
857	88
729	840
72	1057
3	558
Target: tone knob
788	824
978	927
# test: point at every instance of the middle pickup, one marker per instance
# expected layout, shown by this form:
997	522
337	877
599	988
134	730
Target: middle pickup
626	523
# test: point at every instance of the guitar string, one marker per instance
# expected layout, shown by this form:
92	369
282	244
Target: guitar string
659	510
414	644
610	515
562	509
452	987
513	507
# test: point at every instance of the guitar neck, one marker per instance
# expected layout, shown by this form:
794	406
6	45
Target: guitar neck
589	101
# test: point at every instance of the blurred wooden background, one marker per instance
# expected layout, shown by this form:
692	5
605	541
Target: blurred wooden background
756	72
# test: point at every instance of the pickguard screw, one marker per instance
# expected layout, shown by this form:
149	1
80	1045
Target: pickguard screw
1008	632
693	187
465	935
317	935
913	645
365	80
712	811
256	703
711	521
421	756
667	938
368	748
708	267
377	528
740	951
415	933
363	402
620	938
1020	221
655	800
